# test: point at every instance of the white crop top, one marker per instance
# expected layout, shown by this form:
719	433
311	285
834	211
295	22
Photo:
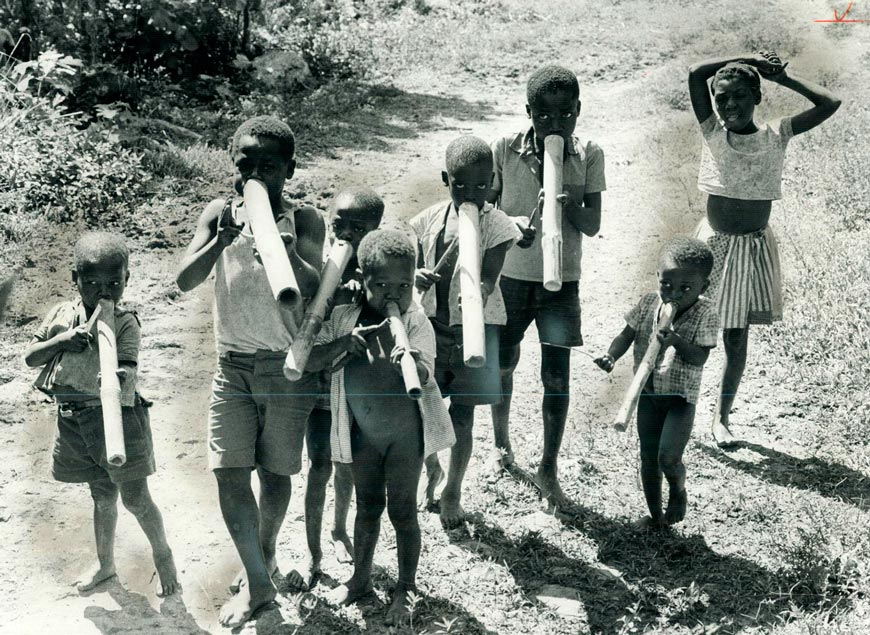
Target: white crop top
747	167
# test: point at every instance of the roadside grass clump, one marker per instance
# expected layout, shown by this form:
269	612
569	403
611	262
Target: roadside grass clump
822	574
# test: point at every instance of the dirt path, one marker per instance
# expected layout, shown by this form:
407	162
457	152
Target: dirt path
47	525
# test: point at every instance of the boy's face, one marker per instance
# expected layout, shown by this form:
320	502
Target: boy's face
391	281
350	223
261	158
735	102
680	284
469	184
554	113
97	281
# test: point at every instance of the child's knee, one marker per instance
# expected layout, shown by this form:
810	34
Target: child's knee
104	494
403	515
555	381
670	464
135	496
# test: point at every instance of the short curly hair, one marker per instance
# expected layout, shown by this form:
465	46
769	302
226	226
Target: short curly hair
689	252
550	79
380	244
266	126
738	70
363	199
94	248
466	151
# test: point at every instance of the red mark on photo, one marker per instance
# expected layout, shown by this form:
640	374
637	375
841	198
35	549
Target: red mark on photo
842	18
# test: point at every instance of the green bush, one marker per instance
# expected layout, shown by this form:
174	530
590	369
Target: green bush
50	166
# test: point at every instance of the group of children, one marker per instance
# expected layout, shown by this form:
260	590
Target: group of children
378	439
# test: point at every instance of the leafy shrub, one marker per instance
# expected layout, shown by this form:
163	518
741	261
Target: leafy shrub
50	166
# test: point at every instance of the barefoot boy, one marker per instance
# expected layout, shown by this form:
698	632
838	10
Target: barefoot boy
469	178
356	212
666	408
376	428
256	416
553	106
741	171
67	348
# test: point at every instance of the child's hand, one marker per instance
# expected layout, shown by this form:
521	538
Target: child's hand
667	337
425	278
486	289
289	244
357	342
605	362
528	231
75	340
769	64
400	351
347	293
228	229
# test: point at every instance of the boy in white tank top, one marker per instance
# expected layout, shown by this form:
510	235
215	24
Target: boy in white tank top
256	417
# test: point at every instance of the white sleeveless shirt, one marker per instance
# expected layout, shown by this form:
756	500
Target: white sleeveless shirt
247	317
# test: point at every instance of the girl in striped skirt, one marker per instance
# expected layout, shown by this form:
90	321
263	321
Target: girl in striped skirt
741	171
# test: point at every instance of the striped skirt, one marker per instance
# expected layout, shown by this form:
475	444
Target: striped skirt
746	281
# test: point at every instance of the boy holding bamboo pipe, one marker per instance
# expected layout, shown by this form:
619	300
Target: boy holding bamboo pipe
376	427
65	345
666	407
469	177
356	212
553	106
257	417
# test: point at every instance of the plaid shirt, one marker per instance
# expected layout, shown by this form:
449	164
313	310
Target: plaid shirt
672	375
437	427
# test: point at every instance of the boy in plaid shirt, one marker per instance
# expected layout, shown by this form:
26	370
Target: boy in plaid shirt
666	408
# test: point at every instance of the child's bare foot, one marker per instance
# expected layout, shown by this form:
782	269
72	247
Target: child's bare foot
349	593
245	604
304	576
649	523
722	435
398	612
241	578
677	503
452	514
551	491
342	546
94	576
168	575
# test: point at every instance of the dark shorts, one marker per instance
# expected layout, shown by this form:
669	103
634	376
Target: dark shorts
466	386
257	417
79	454
555	313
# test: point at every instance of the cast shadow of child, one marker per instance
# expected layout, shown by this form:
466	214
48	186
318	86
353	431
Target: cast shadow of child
831	480
650	579
136	614
428	612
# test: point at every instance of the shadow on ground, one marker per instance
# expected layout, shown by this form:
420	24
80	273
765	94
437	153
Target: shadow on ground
649	579
374	117
137	616
831	480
